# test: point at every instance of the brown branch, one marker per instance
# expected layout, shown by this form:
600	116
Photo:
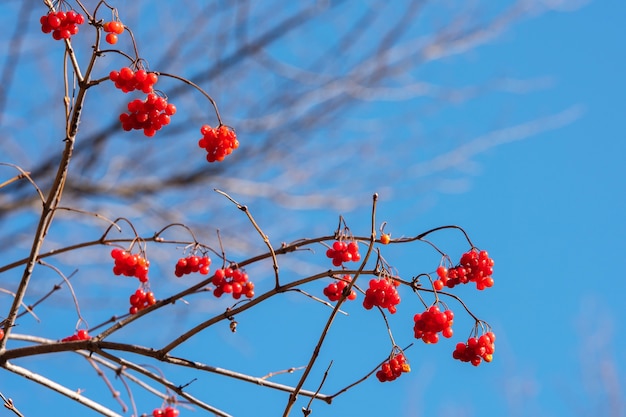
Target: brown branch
294	395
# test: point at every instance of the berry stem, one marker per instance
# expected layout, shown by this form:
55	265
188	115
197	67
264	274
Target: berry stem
197	87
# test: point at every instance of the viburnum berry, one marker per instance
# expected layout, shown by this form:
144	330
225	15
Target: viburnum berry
476	349
385	238
79	335
343	251
219	142
150	115
393	368
1	334
431	322
334	290
165	412
63	25
474	266
141	299
382	293
192	263
130	265
232	281
111	38
128	80
113	28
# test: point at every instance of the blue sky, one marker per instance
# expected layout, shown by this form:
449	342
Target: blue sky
548	208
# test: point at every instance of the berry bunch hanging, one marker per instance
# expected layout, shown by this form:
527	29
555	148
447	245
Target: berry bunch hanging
141	299
192	263
63	25
334	290
130	265
393	368
81	334
343	251
168	411
113	28
382	293
431	322
219	142
232	281
474	266
128	80
150	115
476	349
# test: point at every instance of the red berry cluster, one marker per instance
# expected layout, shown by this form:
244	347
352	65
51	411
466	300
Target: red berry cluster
79	335
165	412
1	334
63	25
232	281
192	263
130	265
474	266
128	80
476	349
382	293
393	368
150	115
343	251
218	142
334	290
113	29
141	299
431	322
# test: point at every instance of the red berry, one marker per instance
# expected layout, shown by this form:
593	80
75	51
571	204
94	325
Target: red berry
111	38
382	292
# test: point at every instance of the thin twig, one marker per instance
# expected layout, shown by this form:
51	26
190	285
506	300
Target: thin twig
114	392
306	411
48	383
8	403
258	229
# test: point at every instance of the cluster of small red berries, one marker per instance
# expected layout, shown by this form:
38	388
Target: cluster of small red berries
192	263
165	412
393	368
219	142
141	299
431	322
232	281
130	265
128	80
79	335
382	293
63	25
476	349
343	251
334	290
113	29
474	266
150	115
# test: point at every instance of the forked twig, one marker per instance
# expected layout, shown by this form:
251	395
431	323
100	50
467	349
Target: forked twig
258	229
8	403
333	314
